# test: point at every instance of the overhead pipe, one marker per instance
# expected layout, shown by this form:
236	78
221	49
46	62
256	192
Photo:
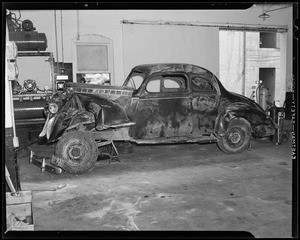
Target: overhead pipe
55	26
78	35
244	63
222	26
62	41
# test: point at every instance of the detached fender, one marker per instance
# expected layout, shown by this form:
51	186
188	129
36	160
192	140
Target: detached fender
260	124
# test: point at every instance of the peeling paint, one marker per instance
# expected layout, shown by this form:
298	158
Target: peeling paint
186	112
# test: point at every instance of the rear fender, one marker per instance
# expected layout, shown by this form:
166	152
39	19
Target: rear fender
260	123
233	111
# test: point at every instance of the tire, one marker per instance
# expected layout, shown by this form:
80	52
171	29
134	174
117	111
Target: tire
237	137
78	150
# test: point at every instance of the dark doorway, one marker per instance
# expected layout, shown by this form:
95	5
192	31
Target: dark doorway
268	40
267	76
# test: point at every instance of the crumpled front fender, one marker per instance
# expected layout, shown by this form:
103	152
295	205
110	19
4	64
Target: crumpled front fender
84	109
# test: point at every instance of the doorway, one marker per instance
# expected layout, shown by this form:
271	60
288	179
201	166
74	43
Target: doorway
267	76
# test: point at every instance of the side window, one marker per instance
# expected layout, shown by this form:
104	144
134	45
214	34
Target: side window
201	84
153	85
174	83
167	83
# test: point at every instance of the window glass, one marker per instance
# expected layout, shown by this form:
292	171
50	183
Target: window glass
167	83
135	80
170	83
201	84
94	78
174	83
92	58
153	85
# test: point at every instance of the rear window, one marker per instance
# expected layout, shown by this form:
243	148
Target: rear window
200	84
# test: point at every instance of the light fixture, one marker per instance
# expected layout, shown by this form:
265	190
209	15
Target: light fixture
264	15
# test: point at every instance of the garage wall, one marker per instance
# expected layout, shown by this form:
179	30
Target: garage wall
170	44
231	60
257	58
108	23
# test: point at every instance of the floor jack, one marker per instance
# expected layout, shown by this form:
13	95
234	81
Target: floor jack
44	163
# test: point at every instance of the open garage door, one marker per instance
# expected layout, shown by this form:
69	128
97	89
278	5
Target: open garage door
170	44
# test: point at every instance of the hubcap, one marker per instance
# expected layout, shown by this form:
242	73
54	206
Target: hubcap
235	137
75	151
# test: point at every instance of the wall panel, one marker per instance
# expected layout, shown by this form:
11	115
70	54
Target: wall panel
171	44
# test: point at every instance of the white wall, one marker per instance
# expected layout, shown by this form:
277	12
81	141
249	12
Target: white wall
232	60
171	44
107	23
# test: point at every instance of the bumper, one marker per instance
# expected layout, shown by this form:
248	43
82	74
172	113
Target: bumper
44	163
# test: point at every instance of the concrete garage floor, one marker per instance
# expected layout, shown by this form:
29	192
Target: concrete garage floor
183	187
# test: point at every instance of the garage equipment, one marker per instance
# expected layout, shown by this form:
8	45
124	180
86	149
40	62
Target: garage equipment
24	35
277	115
31	96
44	163
19	216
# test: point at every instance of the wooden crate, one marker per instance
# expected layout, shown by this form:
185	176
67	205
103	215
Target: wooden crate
19	216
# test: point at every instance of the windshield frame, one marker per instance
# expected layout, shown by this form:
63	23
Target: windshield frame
131	74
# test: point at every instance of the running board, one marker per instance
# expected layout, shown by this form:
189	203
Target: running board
185	139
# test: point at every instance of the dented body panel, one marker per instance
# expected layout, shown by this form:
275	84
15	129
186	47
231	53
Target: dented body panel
88	112
159	103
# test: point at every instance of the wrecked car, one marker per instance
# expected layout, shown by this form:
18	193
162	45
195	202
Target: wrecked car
157	104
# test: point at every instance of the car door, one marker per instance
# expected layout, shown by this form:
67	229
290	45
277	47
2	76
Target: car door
163	109
205	99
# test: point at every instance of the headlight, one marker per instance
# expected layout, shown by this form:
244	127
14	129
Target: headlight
70	90
53	108
60	85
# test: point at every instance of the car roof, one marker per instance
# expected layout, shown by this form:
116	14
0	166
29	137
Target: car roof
171	67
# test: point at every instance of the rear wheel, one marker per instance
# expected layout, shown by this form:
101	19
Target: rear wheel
237	137
78	151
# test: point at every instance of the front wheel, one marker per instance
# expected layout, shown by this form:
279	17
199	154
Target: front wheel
78	151
237	137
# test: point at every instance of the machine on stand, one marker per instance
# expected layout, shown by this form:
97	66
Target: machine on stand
276	113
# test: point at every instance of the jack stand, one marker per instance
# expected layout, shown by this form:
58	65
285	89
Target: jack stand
250	146
114	158
112	152
43	165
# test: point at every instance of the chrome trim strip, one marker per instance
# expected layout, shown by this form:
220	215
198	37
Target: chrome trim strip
28	109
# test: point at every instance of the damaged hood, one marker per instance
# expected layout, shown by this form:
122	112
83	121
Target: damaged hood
118	94
97	112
